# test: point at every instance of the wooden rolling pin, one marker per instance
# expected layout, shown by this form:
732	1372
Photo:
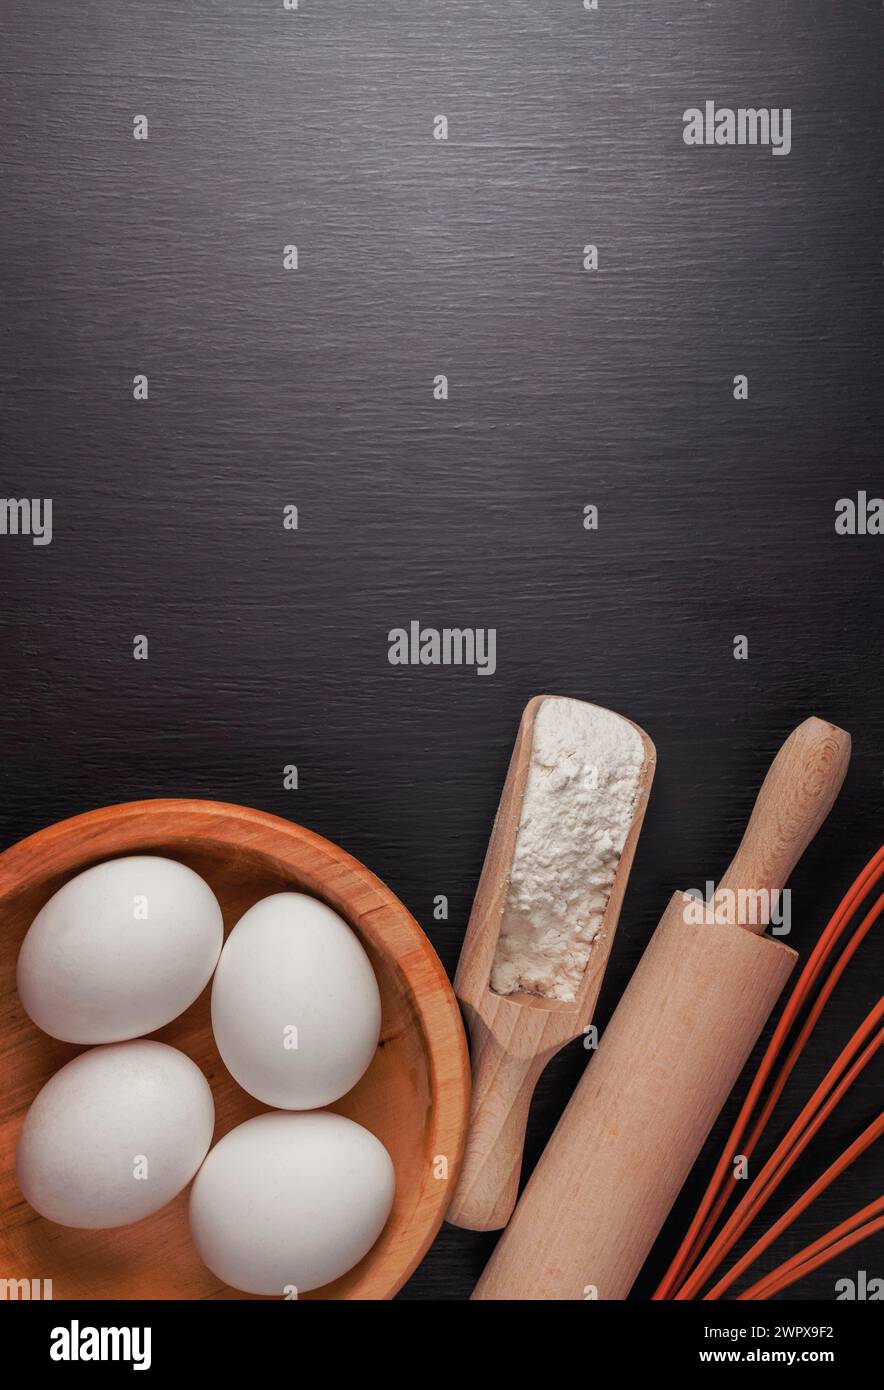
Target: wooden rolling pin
668	1060
514	1036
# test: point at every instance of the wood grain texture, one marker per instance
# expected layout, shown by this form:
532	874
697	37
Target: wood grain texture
414	1096
633	1129
680	1035
796	796
513	1037
267	648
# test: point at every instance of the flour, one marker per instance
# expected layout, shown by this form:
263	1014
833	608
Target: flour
577	808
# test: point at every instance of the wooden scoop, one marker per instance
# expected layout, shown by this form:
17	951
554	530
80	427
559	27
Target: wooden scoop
515	1035
668	1059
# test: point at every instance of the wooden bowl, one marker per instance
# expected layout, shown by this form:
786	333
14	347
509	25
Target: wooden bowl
414	1096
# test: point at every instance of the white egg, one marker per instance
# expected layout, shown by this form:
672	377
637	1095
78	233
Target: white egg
120	950
115	1135
295	1004
288	1203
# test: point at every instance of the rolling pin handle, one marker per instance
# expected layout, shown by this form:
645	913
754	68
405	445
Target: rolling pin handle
795	797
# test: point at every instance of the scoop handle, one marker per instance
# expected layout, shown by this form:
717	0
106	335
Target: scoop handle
795	798
503	1084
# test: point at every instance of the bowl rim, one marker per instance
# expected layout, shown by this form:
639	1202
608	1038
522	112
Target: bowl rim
226	824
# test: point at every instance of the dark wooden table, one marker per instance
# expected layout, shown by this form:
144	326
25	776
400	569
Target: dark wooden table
567	388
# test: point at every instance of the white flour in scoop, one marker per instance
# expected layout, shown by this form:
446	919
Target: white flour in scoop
577	808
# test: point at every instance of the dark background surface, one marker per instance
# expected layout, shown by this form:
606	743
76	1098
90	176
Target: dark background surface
269	647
